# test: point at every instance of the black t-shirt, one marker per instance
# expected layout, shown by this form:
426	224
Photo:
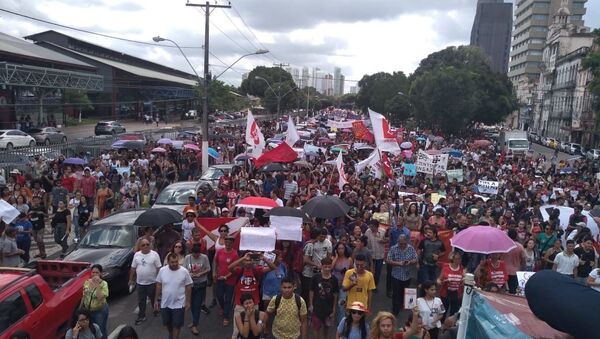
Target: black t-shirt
37	217
324	290
589	257
206	214
221	201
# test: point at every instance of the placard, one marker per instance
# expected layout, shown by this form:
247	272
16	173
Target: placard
430	164
455	174
523	277
410	170
286	227
257	239
410	298
489	187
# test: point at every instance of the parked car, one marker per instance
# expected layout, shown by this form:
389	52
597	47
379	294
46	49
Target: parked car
552	143
133	136
573	148
109	127
563	146
175	196
533	137
41	299
48	135
110	242
191	114
11	138
593	154
215	172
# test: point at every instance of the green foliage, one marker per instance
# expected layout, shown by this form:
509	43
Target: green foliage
592	63
224	97
281	83
377	89
77	99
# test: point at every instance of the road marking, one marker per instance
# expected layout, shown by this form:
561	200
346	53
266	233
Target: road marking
116	331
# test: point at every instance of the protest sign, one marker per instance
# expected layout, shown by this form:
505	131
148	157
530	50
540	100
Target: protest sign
522	277
431	164
287	227
410	298
489	187
455	174
257	239
410	170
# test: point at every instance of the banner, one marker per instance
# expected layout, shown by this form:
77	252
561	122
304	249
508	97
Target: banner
410	170
282	153
339	164
292	134
212	225
385	139
340	124
455	174
254	136
361	132
386	166
431	164
286	227
257	239
373	162
489	187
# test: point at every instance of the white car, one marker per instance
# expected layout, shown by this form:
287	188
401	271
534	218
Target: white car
11	138
593	154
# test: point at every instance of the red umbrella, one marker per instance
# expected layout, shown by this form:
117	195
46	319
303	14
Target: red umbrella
258	202
481	143
193	147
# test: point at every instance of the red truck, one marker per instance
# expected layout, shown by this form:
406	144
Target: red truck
41	300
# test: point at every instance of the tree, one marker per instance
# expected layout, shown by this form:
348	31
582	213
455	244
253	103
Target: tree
281	83
398	108
225	97
377	89
77	99
592	63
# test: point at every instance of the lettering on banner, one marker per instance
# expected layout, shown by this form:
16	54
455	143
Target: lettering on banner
455	174
430	164
489	187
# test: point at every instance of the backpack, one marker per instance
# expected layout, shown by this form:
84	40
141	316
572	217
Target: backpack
278	301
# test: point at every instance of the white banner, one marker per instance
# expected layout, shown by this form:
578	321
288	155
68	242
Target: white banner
430	164
373	162
287	228
339	164
340	124
489	187
385	139
254	136
257	239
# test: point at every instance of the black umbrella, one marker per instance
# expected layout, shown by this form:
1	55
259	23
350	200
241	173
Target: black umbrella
289	212
326	207
156	217
273	167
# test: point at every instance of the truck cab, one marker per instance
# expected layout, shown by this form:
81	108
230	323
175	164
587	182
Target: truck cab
514	141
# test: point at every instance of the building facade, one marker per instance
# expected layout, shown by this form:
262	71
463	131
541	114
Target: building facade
491	32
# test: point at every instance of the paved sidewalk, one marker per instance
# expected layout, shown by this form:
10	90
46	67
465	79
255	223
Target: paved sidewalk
81	131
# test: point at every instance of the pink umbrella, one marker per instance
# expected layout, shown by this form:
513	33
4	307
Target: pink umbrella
407	153
481	143
482	239
193	147
159	150
258	202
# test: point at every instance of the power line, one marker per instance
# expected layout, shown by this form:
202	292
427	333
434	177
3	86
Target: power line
251	32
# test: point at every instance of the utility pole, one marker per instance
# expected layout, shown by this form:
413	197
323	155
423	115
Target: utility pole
281	66
207	9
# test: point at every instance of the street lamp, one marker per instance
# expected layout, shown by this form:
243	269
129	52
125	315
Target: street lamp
277	94
260	51
159	39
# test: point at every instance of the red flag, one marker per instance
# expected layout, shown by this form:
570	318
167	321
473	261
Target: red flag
281	153
386	165
212	225
361	132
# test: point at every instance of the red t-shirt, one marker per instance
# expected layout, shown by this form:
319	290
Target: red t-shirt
223	259
497	275
88	186
68	183
451	280
247	282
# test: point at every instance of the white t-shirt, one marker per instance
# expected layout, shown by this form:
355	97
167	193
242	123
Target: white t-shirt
429	310
173	286
187	228
145	266
566	264
595	273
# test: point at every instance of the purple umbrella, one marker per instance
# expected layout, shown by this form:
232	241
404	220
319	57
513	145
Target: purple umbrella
165	141
74	161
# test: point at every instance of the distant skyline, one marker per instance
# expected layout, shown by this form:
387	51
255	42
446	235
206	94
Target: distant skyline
360	36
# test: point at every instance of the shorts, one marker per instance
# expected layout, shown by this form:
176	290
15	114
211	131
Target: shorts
318	322
172	317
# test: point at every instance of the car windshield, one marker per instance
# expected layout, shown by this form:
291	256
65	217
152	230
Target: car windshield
212	173
175	196
108	236
518	144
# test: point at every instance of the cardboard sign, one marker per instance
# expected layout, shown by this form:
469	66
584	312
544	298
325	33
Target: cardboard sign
286	227
488	187
455	174
410	170
522	277
257	239
410	298
430	164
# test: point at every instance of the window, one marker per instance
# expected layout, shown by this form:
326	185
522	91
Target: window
578	4
541	5
34	295
12	309
576	17
542	17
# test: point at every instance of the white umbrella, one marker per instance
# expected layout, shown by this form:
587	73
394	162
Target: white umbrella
565	213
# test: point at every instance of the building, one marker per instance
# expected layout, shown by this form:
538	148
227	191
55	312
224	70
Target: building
562	87
295	73
327	84
338	82
342	83
353	89
306	80
315	79
491	32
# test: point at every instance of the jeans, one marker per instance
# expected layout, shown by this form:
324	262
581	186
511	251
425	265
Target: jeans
398	287
428	272
24	244
305	286
144	292
101	318
378	263
198	296
225	296
513	283
61	236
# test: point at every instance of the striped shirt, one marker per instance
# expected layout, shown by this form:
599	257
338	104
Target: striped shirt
396	254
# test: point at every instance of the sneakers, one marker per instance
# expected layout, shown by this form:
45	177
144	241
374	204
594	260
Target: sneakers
204	309
140	320
213	303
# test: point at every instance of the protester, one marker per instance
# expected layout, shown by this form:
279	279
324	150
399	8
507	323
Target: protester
567	262
250	321
95	292
144	267
289	313
83	327
198	265
401	258
225	280
323	300
431	309
450	282
382	326
354	325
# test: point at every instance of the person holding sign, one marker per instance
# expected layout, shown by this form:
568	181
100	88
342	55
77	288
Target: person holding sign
401	257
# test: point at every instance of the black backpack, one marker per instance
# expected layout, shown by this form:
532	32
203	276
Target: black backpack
278	301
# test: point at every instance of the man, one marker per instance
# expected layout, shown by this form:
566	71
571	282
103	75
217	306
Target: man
315	250
359	283
87	184
289	313
204	211
360	248
58	194
10	251
290	187
225	280
514	260
188	224
165	239
401	257
430	249
174	290
587	259
37	215
566	262
376	245
275	196
323	300
144	267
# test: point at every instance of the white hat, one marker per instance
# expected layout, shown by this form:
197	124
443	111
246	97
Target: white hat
15	171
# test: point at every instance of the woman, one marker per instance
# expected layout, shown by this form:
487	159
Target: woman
85	213
383	216
250	321
546	239
21	204
84	327
342	261
198	266
357	233
95	292
382	327
73	208
491	274
437	220
551	254
431	309
61	223
531	256
24	230
178	248
127	332
354	325
412	219
414	327
450	282
104	202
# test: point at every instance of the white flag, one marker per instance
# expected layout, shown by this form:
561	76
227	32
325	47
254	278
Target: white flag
373	162
427	143
384	138
292	133
254	136
339	163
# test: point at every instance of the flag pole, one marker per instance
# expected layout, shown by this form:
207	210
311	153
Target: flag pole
465	308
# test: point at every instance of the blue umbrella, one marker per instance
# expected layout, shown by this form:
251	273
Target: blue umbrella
567	170
213	153
421	139
455	153
74	161
119	144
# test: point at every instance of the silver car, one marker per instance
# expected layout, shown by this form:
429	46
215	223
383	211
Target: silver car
48	135
175	196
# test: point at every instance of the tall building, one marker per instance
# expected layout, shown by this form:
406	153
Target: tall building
315	78
305	78
337	74
491	32
327	84
353	89
342	81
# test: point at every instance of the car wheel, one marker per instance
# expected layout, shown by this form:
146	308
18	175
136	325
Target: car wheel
32	143
64	140
9	146
124	130
47	142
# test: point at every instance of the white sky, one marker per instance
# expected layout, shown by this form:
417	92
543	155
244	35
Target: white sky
360	36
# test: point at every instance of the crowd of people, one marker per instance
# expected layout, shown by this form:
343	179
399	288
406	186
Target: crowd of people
394	236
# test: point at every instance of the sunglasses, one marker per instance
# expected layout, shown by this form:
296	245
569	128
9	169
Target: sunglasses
356	312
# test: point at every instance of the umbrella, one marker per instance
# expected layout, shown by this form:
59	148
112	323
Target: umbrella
213	153
158	150
74	161
407	153
565	214
156	217
326	207
482	239
456	154
273	167
447	149
242	157
257	202
421	139
481	143
165	141
287	212
406	145
193	147
303	163
568	170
